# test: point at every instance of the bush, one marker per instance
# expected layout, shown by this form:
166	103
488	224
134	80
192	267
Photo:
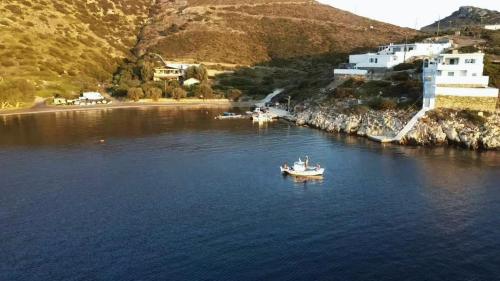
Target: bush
472	116
179	93
135	94
382	104
468	49
154	93
400	76
234	94
197	72
403	66
205	91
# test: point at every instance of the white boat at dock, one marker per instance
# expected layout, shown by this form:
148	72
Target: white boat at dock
302	169
261	115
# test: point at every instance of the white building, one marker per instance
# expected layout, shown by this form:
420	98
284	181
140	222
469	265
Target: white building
492	27
92	96
457	80
172	71
191	82
394	54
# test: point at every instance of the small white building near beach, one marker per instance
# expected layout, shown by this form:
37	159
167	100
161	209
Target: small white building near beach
191	82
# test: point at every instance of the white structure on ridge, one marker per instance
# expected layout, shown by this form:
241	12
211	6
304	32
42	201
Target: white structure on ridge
389	56
452	76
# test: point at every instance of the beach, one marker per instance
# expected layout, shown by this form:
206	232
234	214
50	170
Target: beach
41	107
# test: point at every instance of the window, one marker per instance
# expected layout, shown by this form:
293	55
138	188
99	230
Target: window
471	61
453	61
373	60
451	73
474	74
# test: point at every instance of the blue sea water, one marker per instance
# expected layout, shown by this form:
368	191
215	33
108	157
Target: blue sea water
177	195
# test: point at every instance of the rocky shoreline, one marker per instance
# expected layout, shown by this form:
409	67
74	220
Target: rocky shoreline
436	128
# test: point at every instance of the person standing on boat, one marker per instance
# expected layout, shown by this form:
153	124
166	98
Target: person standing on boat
307	162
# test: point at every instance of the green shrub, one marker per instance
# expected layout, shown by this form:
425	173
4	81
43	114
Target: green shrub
382	104
400	76
205	91
179	93
234	94
135	94
197	72
468	49
154	93
472	116
403	66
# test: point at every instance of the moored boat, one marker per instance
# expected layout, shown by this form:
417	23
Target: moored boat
302	169
229	115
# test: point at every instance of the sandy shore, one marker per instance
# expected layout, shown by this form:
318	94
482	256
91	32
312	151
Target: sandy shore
42	108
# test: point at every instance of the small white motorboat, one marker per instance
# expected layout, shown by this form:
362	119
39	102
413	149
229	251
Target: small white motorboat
229	115
302	169
262	117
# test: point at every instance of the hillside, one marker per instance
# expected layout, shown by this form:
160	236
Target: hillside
64	46
239	33
466	16
61	46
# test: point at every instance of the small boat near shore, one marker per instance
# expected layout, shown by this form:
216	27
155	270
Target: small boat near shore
302	169
229	115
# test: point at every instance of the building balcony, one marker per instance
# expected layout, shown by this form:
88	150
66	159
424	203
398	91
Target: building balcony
458	67
466	92
469	81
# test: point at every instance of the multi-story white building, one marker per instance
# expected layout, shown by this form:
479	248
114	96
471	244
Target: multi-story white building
391	55
457	81
394	54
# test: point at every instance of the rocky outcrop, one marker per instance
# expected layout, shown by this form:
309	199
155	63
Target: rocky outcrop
458	131
429	130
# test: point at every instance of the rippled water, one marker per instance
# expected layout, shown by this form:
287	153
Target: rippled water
176	195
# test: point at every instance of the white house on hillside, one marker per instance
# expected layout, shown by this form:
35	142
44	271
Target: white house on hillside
389	56
492	27
394	54
457	81
171	71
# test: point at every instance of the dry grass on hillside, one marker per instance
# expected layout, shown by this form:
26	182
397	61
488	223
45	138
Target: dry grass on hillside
60	45
255	33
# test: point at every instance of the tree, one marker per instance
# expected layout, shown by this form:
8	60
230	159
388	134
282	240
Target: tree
147	71
170	86
197	72
154	93
135	94
179	93
234	94
205	91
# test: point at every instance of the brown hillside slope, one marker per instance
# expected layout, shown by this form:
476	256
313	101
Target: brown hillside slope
239	33
59	45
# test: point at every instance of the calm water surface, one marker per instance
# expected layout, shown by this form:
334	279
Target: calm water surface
176	195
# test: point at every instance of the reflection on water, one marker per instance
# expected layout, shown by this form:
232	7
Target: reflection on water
176	194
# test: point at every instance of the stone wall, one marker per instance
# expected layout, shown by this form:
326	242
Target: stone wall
473	103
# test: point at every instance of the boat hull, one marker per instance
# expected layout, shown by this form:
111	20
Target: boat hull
307	173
